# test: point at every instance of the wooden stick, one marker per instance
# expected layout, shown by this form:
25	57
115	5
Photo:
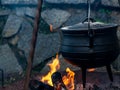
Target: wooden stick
33	45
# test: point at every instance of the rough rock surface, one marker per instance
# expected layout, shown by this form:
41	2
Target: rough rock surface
114	17
4	12
34	2
76	17
47	44
8	61
14	40
12	26
55	17
115	3
25	36
18	2
68	1
20	11
25	11
116	64
31	12
111	2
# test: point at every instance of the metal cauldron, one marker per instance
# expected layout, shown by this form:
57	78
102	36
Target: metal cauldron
89	45
76	45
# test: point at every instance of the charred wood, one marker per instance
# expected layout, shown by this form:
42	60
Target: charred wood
38	85
57	81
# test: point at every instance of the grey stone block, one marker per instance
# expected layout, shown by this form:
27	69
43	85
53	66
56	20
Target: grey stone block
31	12
111	3
25	11
20	11
55	17
8	61
12	26
4	12
68	1
116	64
25	36
18	2
14	40
47	44
77	16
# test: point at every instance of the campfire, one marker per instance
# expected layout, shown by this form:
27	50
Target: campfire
54	66
68	79
55	80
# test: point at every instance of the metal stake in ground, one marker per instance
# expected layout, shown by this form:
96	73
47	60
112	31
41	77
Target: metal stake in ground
33	44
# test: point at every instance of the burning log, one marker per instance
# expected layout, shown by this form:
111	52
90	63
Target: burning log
38	85
57	81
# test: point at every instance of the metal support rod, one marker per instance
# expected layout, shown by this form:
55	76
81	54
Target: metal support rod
2	77
88	12
108	67
90	31
84	76
33	44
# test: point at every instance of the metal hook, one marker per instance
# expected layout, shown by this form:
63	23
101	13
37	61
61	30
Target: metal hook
90	31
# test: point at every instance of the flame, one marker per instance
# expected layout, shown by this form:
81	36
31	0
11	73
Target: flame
69	79
91	70
54	66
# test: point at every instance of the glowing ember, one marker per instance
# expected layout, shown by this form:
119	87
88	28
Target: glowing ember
54	66
91	70
51	28
69	79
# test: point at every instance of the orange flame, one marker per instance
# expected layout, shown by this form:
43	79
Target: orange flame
69	79
91	70
54	66
51	27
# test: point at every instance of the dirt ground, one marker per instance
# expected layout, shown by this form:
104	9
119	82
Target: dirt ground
14	86
97	80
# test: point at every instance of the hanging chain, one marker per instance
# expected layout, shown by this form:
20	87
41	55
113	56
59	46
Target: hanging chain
90	31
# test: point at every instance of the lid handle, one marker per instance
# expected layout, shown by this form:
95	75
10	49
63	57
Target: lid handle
86	20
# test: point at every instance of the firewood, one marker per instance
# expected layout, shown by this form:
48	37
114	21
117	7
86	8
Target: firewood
38	85
57	81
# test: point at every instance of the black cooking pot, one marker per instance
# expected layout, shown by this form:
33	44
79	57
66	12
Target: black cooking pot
82	48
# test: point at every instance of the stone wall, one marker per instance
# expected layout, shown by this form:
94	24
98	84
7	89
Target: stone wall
18	2
115	3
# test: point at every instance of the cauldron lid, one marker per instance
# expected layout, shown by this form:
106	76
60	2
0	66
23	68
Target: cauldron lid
93	25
